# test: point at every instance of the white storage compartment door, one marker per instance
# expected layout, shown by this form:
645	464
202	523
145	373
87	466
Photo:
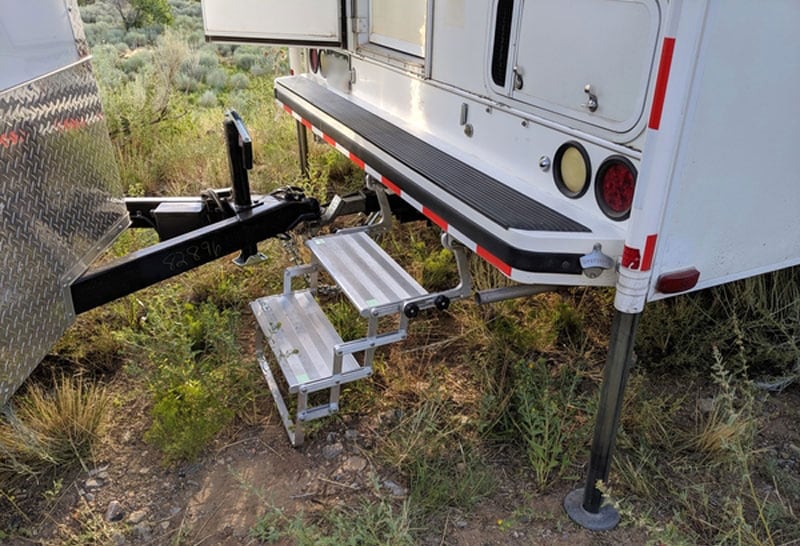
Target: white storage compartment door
289	22
607	44
733	209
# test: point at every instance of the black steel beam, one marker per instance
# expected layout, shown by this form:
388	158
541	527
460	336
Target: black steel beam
156	263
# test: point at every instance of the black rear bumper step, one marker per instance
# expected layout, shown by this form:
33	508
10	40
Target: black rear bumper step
499	203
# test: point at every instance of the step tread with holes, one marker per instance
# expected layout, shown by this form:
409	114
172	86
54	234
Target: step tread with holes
368	276
301	337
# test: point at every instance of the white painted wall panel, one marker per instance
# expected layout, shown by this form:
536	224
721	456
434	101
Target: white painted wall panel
734	204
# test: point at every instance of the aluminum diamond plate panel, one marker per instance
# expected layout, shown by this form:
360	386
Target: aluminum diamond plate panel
60	206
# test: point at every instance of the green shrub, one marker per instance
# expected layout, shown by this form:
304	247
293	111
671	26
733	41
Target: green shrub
207	100
136	62
196	39
208	59
187	84
226	50
217	78
186	23
103	33
245	61
239	81
198	381
136	38
259	69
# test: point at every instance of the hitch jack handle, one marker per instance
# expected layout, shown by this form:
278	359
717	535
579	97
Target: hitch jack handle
240	160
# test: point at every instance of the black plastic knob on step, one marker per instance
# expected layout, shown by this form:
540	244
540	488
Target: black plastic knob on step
411	310
441	302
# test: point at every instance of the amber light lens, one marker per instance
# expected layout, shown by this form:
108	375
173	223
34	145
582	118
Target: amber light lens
614	187
572	170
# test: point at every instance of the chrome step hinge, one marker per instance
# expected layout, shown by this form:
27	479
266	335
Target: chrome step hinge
594	263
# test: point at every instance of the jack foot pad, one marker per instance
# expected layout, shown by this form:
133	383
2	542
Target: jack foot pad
607	518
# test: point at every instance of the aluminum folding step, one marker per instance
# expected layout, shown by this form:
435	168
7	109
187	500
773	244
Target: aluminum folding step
367	275
307	348
301	337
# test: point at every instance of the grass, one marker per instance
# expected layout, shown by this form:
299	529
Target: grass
52	429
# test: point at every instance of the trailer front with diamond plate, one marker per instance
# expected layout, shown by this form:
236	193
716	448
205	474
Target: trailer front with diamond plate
60	193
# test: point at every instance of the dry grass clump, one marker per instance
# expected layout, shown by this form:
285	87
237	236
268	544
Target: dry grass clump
52	428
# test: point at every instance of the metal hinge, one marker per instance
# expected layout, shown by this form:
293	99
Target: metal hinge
360	24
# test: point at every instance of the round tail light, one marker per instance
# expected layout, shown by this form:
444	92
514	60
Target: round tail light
572	170
614	186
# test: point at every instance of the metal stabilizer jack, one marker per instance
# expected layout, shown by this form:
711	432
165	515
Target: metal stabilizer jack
585	506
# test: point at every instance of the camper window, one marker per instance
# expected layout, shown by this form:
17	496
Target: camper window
502	41
399	24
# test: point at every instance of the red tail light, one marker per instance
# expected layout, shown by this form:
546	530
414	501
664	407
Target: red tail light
313	60
614	186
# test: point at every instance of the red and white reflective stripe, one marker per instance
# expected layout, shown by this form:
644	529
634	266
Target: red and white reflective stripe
649	252
633	257
430	214
667	49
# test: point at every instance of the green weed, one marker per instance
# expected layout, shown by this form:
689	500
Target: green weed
374	521
198	381
551	415
432	445
699	486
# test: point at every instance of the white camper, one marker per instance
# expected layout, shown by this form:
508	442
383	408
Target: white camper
642	144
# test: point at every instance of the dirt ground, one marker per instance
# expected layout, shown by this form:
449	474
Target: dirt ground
219	498
127	497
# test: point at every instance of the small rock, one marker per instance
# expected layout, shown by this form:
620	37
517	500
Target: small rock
164	525
137	516
705	405
95	472
351	434
332	437
114	512
354	464
142	531
93	483
144	470
395	489
460	523
118	539
89	497
332	451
